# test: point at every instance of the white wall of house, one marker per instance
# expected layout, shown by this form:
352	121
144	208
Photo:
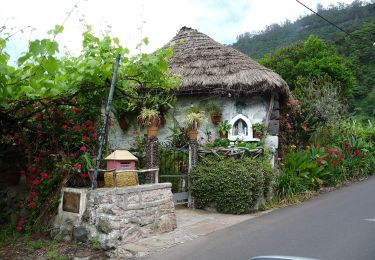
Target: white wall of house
255	108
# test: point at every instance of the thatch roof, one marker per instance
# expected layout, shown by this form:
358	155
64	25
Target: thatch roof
206	66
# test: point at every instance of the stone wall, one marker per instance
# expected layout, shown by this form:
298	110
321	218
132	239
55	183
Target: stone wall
117	216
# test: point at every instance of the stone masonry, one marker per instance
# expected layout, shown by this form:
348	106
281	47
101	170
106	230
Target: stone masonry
118	216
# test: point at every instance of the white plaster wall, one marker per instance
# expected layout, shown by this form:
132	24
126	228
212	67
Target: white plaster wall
255	109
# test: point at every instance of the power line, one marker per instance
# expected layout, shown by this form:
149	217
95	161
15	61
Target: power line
331	23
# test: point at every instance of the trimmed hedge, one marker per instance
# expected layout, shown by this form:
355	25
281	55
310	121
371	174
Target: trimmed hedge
231	185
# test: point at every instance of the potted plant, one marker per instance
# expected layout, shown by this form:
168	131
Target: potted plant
215	113
258	130
150	118
223	128
193	120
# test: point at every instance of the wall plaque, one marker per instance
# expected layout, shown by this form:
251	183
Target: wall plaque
71	202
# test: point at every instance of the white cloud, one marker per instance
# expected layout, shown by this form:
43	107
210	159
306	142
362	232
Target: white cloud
160	20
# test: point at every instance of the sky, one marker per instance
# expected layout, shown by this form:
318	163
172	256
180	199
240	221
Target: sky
131	20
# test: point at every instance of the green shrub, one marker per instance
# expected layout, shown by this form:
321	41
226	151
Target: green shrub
231	185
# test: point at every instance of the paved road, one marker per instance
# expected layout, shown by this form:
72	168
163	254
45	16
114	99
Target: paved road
339	225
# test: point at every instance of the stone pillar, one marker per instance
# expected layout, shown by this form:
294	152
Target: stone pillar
193	161
193	154
152	158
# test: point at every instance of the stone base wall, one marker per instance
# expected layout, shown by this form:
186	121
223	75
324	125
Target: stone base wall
116	216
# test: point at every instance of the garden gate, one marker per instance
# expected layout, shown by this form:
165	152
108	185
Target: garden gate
174	168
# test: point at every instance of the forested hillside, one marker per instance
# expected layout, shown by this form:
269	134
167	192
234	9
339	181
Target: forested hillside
357	46
349	17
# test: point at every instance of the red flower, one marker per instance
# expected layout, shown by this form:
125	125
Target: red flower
110	123
32	205
325	159
348	147
91	128
85	175
22	172
316	145
59	113
38	116
84	138
83	148
289	125
34	194
334	163
36	182
36	159
337	152
31	168
93	135
64	126
76	110
44	175
19	228
357	152
319	162
42	154
77	166
36	105
75	127
88	122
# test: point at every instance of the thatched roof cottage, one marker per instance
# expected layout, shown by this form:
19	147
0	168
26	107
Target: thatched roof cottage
210	72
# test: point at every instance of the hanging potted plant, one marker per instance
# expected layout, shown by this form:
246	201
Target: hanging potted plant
193	120
215	113
223	128
258	130
150	118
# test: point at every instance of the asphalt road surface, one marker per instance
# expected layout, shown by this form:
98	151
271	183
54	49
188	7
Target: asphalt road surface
339	225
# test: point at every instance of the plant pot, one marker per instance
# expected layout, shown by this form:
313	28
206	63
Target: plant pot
154	122
216	119
223	135
152	131
123	122
193	134
257	135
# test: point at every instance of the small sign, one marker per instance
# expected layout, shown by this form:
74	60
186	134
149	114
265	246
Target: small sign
71	202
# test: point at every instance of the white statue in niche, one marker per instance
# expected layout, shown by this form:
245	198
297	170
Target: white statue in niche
242	129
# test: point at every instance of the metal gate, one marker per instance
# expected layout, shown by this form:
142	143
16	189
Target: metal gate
174	166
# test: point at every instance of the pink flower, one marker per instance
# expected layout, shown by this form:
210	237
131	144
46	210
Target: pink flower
279	158
93	135
34	194
36	182
83	148
77	166
289	125
85	175
32	205
64	126
44	175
